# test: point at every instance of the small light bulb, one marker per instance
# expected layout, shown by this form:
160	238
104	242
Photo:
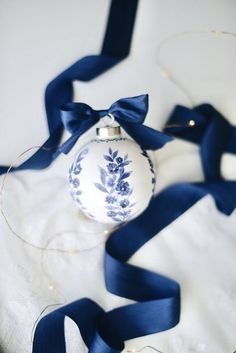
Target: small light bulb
216	32
165	73
51	287
106	231
191	123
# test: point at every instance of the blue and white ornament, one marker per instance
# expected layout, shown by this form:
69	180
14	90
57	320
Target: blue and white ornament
112	178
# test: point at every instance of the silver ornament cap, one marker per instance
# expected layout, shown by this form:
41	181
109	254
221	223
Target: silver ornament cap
108	130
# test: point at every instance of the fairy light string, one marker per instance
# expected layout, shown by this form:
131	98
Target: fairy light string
166	74
21	237
142	349
46	248
169	76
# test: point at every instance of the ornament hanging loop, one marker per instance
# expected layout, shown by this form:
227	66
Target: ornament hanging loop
108	130
107	122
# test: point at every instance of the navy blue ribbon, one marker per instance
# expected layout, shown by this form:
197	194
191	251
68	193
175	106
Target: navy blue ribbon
212	131
115	48
130	113
158	297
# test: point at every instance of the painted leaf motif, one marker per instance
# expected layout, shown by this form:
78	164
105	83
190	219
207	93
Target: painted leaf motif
84	152
131	191
100	187
121	170
125	163
74	180
110	151
115	154
103	175
81	155
122	214
125	175
116	219
108	158
110	207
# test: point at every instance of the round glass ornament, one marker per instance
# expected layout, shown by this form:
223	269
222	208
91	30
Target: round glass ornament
112	179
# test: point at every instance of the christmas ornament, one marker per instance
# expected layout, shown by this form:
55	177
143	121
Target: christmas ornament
112	178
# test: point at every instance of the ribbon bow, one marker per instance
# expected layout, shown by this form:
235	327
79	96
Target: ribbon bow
129	112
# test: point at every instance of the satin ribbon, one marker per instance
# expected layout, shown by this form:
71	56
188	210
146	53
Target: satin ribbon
130	113
158	297
115	48
211	130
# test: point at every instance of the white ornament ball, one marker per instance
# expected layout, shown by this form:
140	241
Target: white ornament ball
112	178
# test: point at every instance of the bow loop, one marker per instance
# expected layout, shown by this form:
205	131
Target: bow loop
73	115
129	112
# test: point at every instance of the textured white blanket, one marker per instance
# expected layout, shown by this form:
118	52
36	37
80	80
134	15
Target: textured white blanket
198	250
39	40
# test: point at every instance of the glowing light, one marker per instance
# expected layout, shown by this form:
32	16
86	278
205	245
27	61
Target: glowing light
191	123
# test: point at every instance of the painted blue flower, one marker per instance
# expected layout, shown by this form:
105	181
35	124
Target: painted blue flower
124	203
110	199
111	213
111	182
77	169
76	183
112	168
119	160
123	188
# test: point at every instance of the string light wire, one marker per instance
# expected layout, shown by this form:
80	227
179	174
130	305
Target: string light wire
21	237
46	248
142	349
166	72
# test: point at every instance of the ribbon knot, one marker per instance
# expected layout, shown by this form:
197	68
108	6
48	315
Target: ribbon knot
129	112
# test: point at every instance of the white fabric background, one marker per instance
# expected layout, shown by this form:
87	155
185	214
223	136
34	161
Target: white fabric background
39	40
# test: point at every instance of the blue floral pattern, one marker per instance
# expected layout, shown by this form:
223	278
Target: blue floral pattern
114	183
74	172
145	154
109	140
